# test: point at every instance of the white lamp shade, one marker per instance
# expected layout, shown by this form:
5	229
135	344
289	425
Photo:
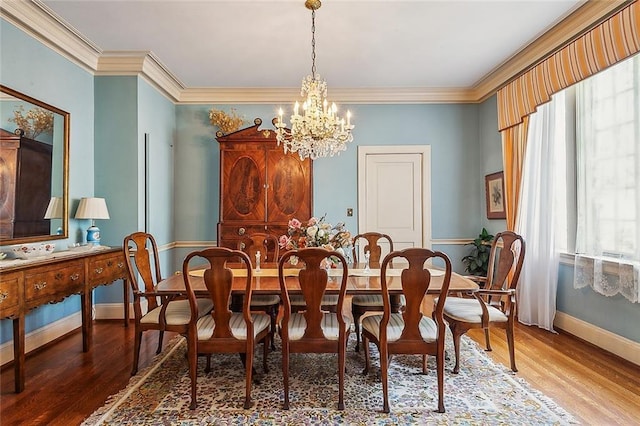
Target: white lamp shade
92	208
54	209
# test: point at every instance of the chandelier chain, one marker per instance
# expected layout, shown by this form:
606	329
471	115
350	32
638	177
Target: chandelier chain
313	42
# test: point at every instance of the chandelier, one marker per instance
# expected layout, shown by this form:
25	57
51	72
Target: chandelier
317	131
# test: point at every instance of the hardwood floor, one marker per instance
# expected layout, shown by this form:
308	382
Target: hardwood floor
65	385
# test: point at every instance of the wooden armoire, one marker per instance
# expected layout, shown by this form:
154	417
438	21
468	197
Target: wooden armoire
261	187
25	185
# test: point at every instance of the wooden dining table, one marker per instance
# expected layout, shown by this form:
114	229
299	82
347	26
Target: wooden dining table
360	281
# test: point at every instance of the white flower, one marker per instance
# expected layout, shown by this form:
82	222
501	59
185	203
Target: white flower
312	231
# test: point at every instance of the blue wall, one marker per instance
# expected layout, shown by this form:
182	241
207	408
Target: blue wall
56	81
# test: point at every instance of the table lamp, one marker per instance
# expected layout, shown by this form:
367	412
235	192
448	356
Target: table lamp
92	208
54	211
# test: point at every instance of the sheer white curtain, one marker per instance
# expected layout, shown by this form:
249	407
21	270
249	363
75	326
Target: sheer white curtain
536	221
608	181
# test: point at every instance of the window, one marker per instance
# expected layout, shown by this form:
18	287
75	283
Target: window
599	208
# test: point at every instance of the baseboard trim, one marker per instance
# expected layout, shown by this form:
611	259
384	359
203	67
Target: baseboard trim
43	335
109	311
621	346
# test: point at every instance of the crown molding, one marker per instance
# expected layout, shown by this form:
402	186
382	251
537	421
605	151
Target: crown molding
591	13
141	63
370	95
41	23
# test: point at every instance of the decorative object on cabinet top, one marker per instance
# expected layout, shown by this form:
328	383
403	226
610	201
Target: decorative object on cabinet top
226	123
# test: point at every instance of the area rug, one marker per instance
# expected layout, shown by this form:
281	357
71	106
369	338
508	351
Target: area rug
483	393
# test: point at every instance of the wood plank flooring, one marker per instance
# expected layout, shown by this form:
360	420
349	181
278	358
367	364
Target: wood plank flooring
65	385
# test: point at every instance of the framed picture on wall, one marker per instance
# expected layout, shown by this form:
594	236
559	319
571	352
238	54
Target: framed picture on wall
494	187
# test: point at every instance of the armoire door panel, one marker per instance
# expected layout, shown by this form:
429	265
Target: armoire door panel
287	187
244	177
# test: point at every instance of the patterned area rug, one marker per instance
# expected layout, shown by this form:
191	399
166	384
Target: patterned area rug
483	393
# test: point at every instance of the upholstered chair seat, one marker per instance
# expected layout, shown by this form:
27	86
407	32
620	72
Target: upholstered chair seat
329	302
264	300
469	310
428	328
330	326
178	312
237	324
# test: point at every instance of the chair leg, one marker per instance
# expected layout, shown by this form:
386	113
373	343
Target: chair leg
207	368
136	352
265	352
424	364
192	354
487	340
160	339
512	349
355	311
440	372
248	374
365	345
456	346
285	373
341	370
273	313
384	370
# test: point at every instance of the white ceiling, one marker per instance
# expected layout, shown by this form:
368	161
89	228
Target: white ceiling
359	44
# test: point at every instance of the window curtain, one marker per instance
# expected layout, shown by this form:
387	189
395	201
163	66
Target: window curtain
514	143
535	220
608	166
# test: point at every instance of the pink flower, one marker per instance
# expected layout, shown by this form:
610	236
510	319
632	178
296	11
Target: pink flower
295	224
284	241
312	222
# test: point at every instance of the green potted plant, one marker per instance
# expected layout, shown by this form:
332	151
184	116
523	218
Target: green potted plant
477	261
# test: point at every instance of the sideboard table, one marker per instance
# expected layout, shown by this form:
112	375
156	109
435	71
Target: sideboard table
28	284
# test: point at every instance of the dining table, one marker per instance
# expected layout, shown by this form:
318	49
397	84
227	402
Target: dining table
360	280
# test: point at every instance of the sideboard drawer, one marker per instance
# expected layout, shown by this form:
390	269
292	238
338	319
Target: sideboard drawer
52	284
9	294
106	268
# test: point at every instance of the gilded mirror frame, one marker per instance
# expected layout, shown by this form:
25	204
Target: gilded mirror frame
4	90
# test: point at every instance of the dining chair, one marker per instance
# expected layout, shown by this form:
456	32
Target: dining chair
223	331
313	330
165	311
494	304
267	248
409	331
360	304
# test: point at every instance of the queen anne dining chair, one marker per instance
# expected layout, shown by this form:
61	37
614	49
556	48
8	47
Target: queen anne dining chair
223	331
266	247
409	331
165	312
313	330
494	304
360	304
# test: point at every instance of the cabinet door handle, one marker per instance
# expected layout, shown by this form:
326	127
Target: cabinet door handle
120	265
3	296
98	270
74	277
40	285
241	231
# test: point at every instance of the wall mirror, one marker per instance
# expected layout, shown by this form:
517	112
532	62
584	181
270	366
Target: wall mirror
34	169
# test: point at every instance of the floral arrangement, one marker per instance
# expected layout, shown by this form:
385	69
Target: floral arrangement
35	122
316	233
227	123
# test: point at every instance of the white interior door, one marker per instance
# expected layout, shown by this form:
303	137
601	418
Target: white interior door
394	193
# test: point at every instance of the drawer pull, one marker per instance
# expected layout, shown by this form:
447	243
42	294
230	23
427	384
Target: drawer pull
3	296
109	263
59	276
241	231
74	277
120	265
98	270
40	285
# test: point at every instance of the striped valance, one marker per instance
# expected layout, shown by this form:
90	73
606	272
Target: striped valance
610	42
